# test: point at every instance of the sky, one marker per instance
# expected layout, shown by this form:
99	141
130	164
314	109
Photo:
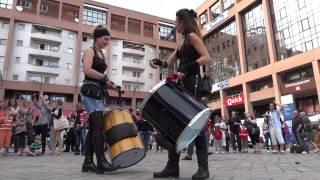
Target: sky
161	8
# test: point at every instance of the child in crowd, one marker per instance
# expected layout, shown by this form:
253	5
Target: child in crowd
217	135
244	138
6	121
36	147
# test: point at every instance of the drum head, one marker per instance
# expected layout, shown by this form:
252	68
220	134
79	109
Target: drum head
193	129
129	158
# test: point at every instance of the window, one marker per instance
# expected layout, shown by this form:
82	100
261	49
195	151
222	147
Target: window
19	43
21	27
296	26
226	62
15	77
114	43
69	66
118	23
71	35
203	20
52	64
114	57
215	10
166	33
6	4
26	3
150	76
228	4
93	17
114	71
5	25
84	38
42	46
44	8
70	50
47	80
39	62
1	59
3	42
67	81
73	13
255	36
17	60
136	74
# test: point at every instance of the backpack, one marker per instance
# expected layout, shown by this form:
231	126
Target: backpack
296	149
217	134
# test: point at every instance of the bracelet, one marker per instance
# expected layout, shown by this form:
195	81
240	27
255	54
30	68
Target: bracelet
105	77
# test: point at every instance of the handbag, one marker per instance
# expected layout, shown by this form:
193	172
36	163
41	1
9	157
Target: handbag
92	89
205	85
60	124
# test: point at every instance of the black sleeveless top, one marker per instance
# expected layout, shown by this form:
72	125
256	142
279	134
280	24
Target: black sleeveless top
186	53
98	64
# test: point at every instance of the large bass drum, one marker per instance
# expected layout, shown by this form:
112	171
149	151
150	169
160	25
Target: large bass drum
174	113
124	145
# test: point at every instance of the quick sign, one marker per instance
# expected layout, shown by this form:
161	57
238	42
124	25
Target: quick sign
221	85
234	100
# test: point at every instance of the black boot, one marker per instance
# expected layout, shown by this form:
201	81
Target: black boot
203	170
98	143
88	165
172	167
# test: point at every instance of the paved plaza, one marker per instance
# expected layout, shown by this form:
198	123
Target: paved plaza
263	166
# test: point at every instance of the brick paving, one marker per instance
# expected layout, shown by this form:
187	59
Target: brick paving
263	166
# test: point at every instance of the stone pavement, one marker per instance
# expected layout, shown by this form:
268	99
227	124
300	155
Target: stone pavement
263	166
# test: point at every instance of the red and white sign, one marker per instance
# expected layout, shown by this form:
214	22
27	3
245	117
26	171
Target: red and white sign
234	100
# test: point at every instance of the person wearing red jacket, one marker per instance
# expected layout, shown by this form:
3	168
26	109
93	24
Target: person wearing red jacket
6	121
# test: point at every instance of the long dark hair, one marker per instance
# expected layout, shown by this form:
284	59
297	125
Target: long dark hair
188	17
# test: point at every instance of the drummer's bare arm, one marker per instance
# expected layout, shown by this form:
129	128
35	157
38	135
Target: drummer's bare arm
87	65
198	44
172	59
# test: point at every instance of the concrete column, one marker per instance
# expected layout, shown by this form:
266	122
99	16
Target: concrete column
38	7
241	44
247	103
60	10
10	44
316	73
224	109
276	86
269	31
127	25
142	28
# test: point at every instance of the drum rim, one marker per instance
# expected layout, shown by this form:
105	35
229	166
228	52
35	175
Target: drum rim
189	125
151	92
135	148
117	110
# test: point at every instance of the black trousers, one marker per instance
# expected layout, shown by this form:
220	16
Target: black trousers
95	139
43	131
29	133
70	140
235	137
21	140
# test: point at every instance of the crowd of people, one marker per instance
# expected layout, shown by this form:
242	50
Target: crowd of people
25	133
275	135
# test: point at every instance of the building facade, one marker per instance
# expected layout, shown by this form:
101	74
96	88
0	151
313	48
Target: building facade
262	50
42	44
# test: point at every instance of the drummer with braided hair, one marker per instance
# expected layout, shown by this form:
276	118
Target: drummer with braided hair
192	54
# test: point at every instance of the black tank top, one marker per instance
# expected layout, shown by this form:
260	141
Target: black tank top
98	64
186	53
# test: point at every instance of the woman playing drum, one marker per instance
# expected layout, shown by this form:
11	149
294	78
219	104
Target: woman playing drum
93	92
192	54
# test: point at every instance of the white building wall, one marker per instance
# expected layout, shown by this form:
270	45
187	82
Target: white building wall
4	31
64	72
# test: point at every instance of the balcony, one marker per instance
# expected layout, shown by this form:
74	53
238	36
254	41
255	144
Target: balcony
46	37
46	52
215	104
139	80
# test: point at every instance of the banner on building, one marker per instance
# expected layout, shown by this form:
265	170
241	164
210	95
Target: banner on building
234	100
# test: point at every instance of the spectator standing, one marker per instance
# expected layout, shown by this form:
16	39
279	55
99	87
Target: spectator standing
25	114
80	118
6	120
44	117
253	130
234	129
274	118
266	133
13	110
56	139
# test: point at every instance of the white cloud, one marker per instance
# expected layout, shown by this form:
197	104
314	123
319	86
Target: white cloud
161	8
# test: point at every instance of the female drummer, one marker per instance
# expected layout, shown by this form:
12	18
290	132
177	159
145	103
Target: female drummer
94	66
192	54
